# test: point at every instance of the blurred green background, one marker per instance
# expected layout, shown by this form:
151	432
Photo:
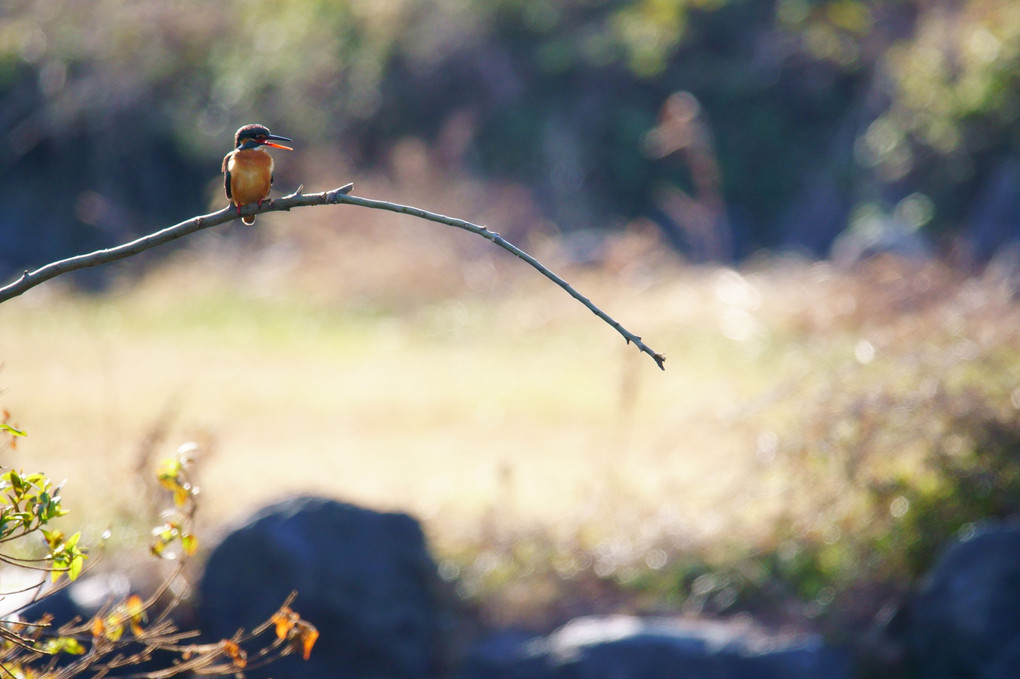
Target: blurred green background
798	120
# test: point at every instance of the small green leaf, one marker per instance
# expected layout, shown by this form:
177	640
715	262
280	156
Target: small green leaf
166	532
168	472
53	537
38	480
68	645
11	430
72	646
189	543
114	628
74	570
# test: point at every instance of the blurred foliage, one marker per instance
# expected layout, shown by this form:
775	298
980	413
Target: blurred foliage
30	502
895	431
125	633
896	471
810	108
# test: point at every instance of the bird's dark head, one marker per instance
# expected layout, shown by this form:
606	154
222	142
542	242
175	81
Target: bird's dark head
255	135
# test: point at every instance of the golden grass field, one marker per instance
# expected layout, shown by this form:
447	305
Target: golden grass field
409	368
513	401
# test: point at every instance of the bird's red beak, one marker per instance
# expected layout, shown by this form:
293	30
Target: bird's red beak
278	138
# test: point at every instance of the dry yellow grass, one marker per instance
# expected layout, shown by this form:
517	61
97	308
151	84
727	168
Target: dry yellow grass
513	401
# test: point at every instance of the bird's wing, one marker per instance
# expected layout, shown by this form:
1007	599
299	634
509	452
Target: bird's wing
226	177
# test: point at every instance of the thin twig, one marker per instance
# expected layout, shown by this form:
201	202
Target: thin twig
30	279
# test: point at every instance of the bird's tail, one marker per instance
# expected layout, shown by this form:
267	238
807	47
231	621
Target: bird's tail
248	220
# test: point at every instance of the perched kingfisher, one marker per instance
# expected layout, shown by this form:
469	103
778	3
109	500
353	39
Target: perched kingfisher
248	169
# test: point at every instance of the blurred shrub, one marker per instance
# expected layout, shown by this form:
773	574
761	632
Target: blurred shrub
117	636
899	428
905	432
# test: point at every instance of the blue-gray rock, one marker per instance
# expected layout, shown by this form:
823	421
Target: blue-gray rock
364	579
624	647
964	620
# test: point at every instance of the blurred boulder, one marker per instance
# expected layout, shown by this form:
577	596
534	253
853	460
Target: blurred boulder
364	579
618	647
964	620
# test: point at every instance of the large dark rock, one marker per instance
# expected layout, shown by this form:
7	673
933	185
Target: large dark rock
964	620
623	647
363	578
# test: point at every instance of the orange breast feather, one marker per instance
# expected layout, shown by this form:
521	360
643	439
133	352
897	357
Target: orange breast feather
251	175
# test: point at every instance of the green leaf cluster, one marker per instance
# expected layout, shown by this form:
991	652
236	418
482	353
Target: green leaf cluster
28	503
173	474
118	635
65	554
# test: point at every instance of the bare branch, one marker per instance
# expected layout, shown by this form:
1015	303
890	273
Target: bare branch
339	196
30	279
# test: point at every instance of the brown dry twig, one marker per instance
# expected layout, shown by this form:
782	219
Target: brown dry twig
339	196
